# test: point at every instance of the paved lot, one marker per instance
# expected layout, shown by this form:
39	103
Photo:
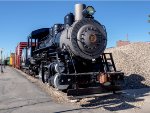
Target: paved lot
19	95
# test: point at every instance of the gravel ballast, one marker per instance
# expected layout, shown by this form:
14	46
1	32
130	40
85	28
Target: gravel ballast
134	61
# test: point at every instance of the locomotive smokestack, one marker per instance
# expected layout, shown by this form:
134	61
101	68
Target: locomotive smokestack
78	11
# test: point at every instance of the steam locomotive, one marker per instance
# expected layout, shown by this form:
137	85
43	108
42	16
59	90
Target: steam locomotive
71	56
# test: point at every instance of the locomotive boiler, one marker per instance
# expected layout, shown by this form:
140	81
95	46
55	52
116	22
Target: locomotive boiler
70	56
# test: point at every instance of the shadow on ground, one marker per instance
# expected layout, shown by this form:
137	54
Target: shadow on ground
134	81
117	102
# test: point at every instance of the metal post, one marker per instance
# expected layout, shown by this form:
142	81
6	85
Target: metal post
1	62
4	61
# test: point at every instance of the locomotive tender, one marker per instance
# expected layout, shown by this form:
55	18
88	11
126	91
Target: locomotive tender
71	56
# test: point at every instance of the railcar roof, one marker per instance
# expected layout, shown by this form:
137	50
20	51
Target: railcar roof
39	33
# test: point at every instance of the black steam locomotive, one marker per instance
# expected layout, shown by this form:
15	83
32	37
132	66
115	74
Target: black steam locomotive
70	56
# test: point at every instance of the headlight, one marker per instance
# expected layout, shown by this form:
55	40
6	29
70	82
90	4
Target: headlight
88	11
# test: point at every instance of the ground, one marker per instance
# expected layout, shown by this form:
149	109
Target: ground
19	95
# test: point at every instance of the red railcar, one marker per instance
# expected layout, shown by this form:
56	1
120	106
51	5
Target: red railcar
18	53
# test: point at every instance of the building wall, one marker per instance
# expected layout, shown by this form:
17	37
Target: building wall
122	43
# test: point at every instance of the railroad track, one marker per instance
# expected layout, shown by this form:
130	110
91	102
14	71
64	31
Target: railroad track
90	101
59	95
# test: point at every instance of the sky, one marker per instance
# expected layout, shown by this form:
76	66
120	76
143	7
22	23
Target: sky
121	18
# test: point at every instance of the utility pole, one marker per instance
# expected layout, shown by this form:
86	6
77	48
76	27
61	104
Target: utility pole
127	37
1	50
149	20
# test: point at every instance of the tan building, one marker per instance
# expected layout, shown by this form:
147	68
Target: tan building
122	43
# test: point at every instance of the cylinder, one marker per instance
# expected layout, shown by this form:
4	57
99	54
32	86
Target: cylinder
78	11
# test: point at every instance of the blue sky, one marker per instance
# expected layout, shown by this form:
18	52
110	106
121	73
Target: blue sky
18	19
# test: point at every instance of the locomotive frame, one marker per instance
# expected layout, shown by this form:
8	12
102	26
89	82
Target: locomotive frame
65	58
